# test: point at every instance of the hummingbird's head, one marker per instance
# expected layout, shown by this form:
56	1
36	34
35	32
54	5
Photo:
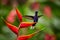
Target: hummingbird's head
36	12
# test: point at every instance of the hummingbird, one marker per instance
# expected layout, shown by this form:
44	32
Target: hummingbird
34	18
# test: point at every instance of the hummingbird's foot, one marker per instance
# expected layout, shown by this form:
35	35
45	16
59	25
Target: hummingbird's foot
32	27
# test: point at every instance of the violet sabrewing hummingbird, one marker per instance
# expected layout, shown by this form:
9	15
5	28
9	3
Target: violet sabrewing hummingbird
35	18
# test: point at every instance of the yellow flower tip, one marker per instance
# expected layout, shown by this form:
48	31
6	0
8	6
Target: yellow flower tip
29	22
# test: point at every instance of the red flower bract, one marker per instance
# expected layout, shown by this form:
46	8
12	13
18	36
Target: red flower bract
26	24
11	27
26	37
19	15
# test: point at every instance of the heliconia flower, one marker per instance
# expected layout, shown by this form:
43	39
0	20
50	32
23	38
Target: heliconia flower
26	24
50	37
11	17
19	15
11	27
35	6
26	37
22	25
47	11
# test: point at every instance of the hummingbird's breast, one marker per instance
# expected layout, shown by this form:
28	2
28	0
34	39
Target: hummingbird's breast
35	18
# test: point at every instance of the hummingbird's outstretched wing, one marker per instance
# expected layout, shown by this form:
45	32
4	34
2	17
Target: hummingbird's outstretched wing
29	17
40	16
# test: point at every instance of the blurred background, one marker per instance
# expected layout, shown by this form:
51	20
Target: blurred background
49	23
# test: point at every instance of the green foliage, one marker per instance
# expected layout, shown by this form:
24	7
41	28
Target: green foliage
45	24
